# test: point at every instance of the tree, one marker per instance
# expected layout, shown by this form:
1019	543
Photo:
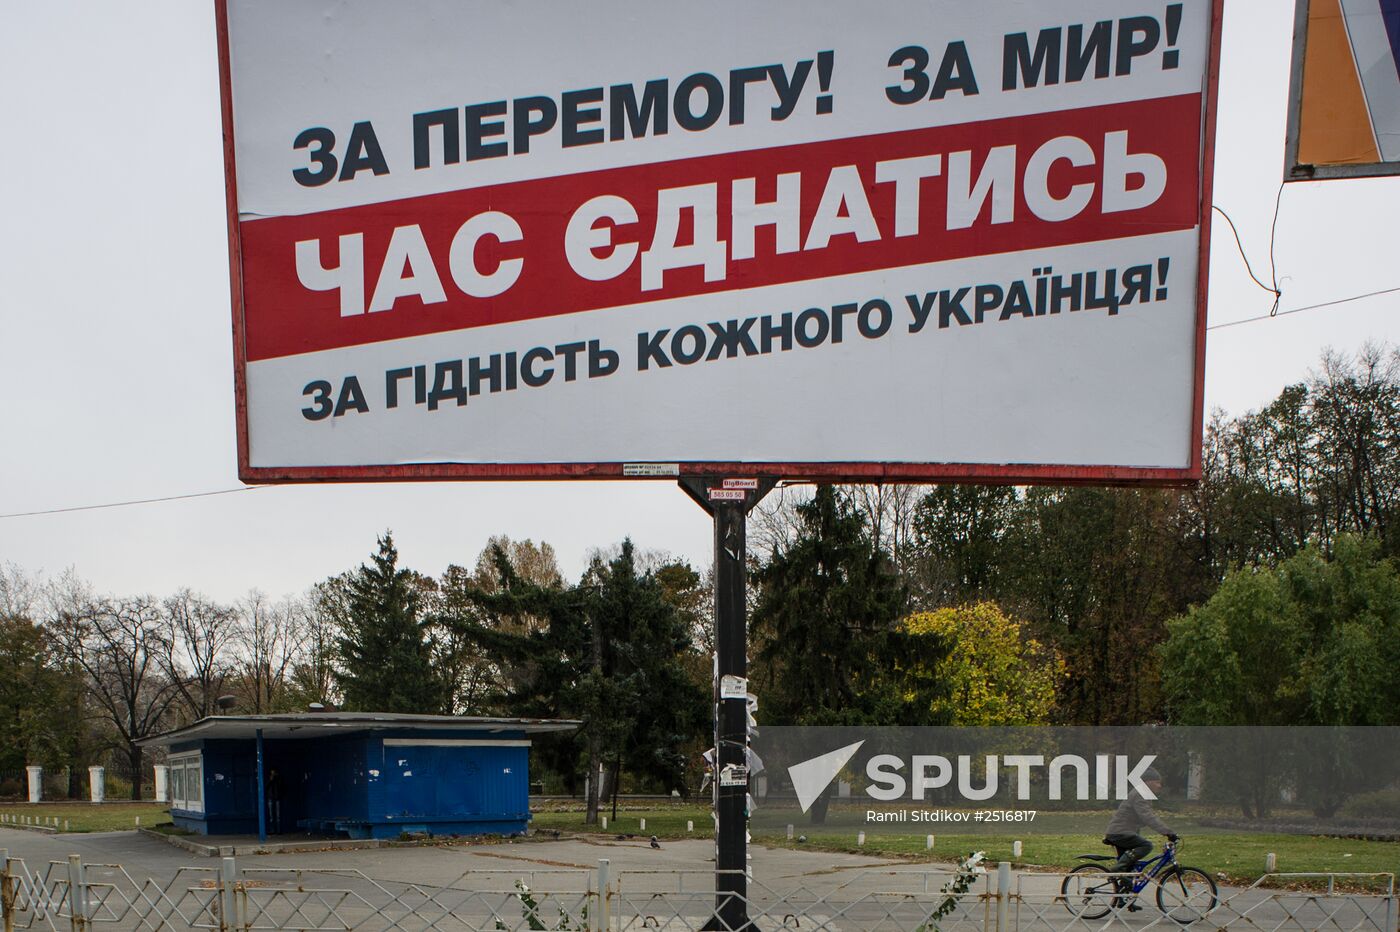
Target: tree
538	645
37	697
471	675
889	513
829	646
1311	641
20	594
693	597
385	654
826	627
312	677
610	651
194	649
959	532
118	643
535	563
993	673
640	641
1095	574
1356	415
269	637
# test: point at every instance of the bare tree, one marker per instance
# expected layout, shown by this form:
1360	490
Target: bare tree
195	653
1356	413
319	625
118	643
773	523
889	512
269	640
536	563
19	592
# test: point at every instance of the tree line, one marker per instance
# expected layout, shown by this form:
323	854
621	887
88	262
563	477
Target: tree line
892	605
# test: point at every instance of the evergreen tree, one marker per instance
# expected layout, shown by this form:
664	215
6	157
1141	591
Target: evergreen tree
830	647
385	654
39	699
642	640
610	651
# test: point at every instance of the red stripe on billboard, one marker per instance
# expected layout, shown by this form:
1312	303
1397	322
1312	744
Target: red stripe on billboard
284	317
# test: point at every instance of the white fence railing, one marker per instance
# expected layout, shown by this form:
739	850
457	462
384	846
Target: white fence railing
72	896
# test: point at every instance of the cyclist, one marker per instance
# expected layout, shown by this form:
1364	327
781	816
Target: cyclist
1122	833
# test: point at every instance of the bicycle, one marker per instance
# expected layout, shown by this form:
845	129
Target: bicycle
1185	894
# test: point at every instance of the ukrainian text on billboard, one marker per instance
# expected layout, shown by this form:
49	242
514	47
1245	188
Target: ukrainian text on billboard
523	233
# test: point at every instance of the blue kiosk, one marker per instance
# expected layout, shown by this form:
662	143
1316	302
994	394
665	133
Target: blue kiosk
360	774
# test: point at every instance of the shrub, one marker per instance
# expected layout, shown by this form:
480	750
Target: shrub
1379	804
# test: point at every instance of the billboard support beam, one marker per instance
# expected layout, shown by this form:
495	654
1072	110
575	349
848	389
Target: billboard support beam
730	511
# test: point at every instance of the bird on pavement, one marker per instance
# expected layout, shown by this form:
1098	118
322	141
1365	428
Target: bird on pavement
654	842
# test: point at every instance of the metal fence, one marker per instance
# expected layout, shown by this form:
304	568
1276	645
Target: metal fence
72	896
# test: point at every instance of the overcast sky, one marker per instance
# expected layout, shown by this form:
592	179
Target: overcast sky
115	352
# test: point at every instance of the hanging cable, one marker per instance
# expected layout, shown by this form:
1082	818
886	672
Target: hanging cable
1272	289
1306	307
136	501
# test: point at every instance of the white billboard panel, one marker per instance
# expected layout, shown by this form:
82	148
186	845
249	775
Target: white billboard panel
485	238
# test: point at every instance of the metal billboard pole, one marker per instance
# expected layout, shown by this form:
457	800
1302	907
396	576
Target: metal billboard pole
729	501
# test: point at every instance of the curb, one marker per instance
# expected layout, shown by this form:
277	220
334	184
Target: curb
214	851
186	843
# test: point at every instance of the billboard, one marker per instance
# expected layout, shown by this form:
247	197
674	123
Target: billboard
1344	105
535	239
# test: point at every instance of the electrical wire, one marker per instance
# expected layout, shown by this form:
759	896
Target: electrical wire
1239	244
1273	273
1273	238
1306	307
137	501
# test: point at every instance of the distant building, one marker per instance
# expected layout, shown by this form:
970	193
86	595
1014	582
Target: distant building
363	774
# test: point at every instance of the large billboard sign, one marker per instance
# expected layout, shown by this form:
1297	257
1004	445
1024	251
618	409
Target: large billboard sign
1344	114
917	239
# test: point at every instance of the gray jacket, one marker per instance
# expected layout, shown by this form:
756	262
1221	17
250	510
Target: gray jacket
1133	813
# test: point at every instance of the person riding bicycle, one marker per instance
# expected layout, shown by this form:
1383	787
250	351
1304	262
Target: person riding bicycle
1132	814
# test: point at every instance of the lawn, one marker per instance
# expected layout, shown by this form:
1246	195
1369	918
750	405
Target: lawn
86	817
1238	856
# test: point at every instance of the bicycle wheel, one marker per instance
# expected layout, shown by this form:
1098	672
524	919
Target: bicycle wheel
1186	894
1087	892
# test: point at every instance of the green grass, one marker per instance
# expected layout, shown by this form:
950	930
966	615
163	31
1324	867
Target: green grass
1240	857
87	817
665	822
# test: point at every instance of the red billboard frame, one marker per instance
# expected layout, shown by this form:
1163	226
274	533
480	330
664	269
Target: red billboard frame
859	472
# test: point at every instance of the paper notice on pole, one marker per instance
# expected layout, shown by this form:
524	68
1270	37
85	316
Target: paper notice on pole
734	775
733	687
